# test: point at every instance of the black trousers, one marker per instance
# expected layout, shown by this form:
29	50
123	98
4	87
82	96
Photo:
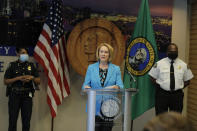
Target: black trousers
15	104
165	100
102	124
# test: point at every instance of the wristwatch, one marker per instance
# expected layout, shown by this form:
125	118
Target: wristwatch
110	108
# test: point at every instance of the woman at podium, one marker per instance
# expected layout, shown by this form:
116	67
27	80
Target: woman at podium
103	74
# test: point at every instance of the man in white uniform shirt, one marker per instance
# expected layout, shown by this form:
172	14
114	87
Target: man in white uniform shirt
170	76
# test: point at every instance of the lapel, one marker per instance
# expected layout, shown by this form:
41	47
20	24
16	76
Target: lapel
97	77
109	73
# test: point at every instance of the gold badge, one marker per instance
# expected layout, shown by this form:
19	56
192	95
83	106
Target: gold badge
179	67
29	68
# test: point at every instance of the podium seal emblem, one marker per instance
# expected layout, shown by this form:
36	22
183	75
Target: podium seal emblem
110	108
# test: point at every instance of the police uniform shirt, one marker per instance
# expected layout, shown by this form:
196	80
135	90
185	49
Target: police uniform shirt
17	68
161	72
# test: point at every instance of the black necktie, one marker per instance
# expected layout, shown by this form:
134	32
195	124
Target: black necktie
172	80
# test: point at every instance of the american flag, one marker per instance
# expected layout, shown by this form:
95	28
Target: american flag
50	52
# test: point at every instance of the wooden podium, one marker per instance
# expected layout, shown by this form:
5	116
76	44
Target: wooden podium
113	103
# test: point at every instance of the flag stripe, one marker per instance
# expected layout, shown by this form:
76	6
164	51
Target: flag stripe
44	62
46	48
64	68
61	71
53	112
50	53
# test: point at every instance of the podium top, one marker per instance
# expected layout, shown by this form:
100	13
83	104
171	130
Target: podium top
131	90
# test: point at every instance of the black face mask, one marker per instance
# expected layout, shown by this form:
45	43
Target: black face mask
172	55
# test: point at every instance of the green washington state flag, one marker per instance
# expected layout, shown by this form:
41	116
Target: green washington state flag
141	54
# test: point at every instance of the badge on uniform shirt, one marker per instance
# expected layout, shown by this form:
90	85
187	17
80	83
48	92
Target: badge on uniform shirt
179	67
29	67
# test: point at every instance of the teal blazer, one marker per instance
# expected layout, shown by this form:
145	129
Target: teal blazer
92	79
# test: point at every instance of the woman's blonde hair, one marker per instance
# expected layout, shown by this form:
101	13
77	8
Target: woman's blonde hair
110	48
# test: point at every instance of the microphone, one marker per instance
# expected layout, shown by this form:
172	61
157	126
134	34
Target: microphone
131	76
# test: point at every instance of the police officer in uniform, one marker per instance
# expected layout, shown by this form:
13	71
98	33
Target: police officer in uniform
20	77
170	75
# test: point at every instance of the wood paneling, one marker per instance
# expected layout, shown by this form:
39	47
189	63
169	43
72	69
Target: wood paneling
192	90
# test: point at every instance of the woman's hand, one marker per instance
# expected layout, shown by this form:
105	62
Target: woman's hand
87	87
116	87
112	87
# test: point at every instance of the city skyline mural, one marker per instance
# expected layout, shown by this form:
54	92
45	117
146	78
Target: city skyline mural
122	13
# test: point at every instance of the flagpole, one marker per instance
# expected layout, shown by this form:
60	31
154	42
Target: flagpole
52	120
131	79
134	80
131	125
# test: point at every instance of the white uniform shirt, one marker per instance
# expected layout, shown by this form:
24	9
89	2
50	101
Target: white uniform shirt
161	72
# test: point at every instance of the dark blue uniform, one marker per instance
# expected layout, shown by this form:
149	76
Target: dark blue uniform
20	94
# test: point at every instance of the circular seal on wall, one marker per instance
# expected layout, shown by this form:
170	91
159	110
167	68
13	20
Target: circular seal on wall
86	36
140	56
